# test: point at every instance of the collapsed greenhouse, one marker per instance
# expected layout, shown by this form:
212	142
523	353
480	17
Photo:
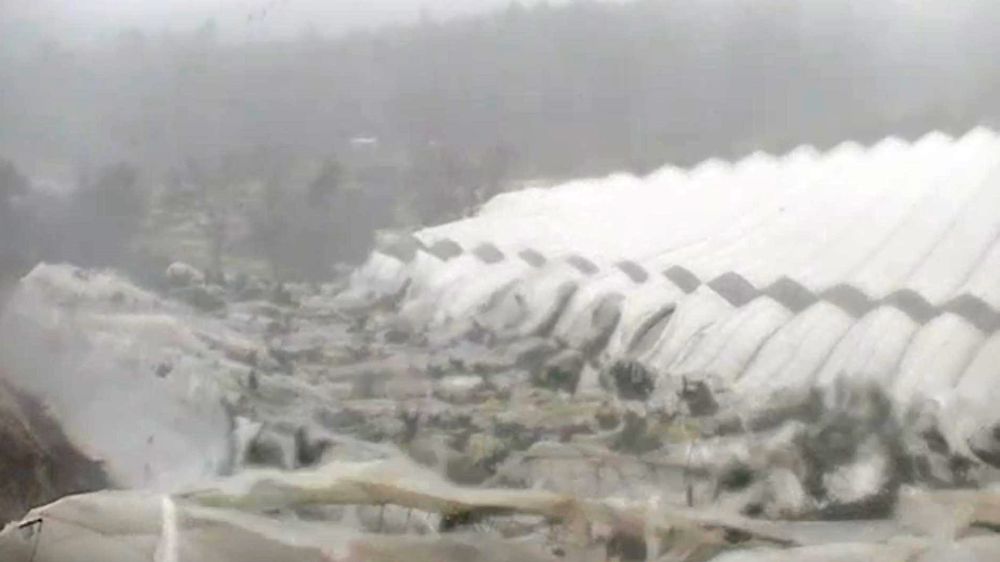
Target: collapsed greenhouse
780	358
760	277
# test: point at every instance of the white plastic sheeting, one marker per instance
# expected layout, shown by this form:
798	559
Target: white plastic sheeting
770	274
128	376
118	526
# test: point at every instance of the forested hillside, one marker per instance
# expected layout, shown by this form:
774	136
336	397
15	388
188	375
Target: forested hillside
561	90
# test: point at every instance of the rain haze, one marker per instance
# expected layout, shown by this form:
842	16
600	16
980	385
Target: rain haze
239	20
499	280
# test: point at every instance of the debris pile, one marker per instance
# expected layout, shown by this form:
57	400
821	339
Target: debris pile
282	424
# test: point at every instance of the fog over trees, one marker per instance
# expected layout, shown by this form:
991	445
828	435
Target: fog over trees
499	280
425	120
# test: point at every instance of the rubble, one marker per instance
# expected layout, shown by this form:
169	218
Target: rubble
180	274
630	380
561	372
280	411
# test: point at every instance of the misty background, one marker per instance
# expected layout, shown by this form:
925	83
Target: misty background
276	137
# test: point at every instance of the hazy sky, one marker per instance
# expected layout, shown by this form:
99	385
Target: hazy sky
237	19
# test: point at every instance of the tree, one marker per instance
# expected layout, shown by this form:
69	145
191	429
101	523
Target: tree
442	183
12	185
213	183
275	231
327	184
496	169
106	216
12	236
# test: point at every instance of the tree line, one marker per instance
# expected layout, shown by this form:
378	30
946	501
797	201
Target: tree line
458	110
